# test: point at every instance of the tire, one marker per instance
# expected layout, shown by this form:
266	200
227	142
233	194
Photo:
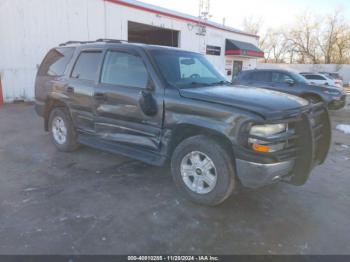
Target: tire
62	133
312	99
187	164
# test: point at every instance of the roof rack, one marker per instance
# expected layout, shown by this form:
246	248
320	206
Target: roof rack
104	40
76	42
109	40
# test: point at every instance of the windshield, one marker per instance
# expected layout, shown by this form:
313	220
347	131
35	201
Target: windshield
299	78
185	69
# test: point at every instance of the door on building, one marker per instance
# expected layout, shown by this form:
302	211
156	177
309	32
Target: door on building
237	68
152	35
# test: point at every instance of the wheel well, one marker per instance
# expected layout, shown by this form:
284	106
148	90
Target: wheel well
183	132
50	105
306	95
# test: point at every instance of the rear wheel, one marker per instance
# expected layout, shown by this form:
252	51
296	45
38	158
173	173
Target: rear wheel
203	170
62	131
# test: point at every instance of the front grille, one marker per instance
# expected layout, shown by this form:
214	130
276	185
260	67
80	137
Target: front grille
314	133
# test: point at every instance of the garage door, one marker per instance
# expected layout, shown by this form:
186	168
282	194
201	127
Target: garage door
142	33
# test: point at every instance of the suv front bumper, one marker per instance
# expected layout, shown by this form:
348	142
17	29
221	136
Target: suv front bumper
307	148
254	175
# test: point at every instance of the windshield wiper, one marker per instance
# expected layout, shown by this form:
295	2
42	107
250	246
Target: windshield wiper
194	83
222	82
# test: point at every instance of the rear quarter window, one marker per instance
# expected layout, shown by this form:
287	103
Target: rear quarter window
56	61
86	66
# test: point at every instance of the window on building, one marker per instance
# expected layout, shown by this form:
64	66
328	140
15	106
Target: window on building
86	65
56	61
124	69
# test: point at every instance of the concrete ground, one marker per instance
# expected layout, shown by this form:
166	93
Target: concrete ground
91	202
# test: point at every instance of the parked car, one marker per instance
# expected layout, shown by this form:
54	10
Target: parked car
321	79
336	76
292	83
159	105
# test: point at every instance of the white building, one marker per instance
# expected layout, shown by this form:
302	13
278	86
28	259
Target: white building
29	29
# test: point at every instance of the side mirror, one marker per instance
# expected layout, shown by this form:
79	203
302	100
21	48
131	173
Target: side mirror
290	82
150	84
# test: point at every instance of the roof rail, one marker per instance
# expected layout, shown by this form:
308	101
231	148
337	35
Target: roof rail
109	40
105	40
76	42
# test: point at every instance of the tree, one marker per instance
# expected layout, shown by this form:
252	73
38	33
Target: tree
310	39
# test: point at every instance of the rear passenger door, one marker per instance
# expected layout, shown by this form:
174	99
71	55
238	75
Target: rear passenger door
129	105
80	88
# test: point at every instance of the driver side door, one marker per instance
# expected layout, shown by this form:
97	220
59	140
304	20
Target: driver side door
129	105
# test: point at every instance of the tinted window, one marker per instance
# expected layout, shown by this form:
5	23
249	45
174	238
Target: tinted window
314	77
262	76
56	61
87	65
124	69
186	69
280	77
244	76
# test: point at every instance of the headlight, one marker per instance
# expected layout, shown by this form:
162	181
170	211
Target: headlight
331	92
267	130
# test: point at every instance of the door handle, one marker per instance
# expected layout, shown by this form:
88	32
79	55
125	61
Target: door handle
70	89
100	96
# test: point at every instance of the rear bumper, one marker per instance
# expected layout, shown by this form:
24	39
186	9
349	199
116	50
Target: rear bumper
254	175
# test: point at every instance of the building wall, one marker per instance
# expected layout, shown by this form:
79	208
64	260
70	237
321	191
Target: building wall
29	28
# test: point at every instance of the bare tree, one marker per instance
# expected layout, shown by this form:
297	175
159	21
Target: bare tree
252	25
303	38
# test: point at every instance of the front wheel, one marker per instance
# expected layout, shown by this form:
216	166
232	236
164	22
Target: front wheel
62	131
203	170
313	99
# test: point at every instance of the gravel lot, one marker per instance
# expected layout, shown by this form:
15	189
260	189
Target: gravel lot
91	202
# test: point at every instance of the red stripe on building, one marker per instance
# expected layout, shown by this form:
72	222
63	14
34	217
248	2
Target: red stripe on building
147	9
244	53
1	94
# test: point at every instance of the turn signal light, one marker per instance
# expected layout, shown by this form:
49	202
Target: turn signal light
261	148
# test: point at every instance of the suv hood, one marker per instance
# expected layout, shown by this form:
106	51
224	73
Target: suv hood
267	103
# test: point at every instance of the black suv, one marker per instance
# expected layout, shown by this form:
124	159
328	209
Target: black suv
160	105
292	83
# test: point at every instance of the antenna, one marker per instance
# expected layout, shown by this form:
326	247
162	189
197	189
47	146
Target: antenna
204	15
204	9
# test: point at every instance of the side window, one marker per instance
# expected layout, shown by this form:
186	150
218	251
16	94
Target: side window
86	65
56	61
124	69
315	77
280	77
262	76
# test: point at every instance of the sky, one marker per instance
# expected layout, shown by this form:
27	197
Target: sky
274	13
